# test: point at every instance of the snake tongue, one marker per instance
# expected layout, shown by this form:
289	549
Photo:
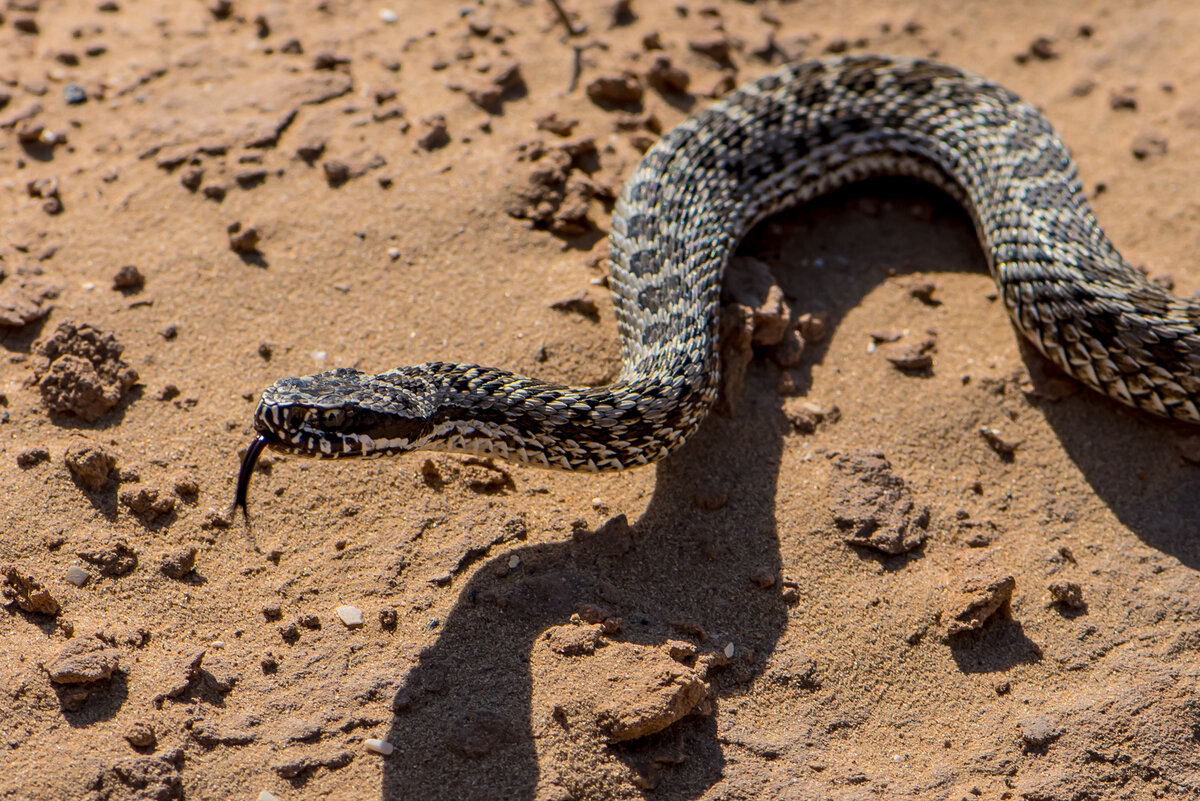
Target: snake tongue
246	471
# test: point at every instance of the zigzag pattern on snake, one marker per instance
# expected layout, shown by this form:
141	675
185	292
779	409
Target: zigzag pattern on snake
797	133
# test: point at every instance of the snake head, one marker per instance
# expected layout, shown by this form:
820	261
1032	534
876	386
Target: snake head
342	413
345	412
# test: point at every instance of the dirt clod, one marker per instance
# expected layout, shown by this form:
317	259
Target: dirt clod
615	90
974	599
27	592
1067	593
83	660
90	464
242	240
112	556
177	562
873	506
80	371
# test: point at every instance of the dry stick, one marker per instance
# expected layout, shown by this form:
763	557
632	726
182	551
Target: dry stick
566	20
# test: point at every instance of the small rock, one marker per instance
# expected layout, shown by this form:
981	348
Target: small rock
873	505
655	691
76	575
81	661
382	747
32	457
1002	445
1038	732
1043	48
805	416
295	768
813	327
336	172
666	77
619	89
128	279
435	133
974	600
570	640
1067	593
140	735
182	673
914	356
388	619
27	592
192	177
80	371
328	60
91	465
113	557
351	616
147	502
178	562
554	124
242	240
715	45
74	94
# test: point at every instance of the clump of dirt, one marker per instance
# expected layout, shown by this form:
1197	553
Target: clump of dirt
80	371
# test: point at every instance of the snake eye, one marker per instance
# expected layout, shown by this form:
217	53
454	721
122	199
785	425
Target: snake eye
333	418
295	417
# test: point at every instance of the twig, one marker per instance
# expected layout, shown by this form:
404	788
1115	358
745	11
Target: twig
566	20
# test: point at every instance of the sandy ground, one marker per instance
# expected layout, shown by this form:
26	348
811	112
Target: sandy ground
699	629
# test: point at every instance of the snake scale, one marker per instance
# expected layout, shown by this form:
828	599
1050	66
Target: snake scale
802	131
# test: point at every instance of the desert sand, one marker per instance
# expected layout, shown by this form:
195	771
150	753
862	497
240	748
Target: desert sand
909	559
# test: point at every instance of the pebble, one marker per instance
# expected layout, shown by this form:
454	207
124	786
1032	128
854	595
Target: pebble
267	795
350	615
77	575
729	651
74	94
140	735
513	562
387	15
382	747
1067	593
128	278
242	240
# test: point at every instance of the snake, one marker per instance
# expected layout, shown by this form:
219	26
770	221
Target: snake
794	134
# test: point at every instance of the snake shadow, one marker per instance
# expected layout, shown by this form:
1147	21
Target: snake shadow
467	726
1130	459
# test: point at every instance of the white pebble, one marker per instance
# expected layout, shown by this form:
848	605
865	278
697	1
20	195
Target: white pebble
513	561
77	575
267	795
319	355
393	253
379	746
350	615
597	503
387	15
89	286
729	651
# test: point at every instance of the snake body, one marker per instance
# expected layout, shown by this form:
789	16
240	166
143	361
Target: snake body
792	135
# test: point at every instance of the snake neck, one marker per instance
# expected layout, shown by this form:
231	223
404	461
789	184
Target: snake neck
635	420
